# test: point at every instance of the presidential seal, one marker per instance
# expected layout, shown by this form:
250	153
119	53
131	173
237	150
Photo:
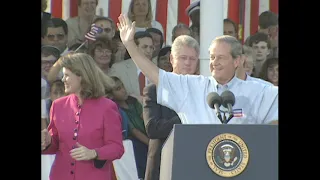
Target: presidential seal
227	155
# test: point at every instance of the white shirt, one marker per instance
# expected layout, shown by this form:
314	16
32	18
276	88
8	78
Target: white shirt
186	95
249	78
44	89
43	109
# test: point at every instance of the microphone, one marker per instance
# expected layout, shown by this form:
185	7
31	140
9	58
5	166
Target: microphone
228	100
214	102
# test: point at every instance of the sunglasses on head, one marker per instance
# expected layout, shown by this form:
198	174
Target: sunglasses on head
51	37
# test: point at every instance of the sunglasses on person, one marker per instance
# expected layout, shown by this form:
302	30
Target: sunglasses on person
107	30
59	36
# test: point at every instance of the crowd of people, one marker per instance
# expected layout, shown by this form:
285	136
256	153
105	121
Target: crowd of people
128	84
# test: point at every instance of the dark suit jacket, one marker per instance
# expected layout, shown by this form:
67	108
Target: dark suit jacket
159	121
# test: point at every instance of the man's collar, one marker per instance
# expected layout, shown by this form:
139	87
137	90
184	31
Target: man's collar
229	85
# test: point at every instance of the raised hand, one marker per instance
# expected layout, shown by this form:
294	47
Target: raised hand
126	28
82	153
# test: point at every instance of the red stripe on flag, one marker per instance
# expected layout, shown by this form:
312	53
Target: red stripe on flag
161	15
115	10
243	21
274	5
73	8
254	16
56	8
234	10
182	16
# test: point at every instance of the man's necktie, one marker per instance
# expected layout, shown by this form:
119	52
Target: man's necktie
142	82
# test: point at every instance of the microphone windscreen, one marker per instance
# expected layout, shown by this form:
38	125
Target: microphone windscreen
227	98
213	98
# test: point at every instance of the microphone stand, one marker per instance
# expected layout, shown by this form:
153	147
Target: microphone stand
230	117
218	113
225	120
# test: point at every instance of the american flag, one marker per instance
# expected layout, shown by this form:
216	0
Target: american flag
237	113
91	35
170	12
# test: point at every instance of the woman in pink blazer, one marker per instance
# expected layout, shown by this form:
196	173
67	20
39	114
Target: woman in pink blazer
85	130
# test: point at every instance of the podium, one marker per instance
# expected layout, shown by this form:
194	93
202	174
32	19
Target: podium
220	152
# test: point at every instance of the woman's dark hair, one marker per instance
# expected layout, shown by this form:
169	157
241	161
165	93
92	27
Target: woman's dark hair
57	83
264	69
163	51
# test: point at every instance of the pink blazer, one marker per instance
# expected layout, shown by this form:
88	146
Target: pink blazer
98	126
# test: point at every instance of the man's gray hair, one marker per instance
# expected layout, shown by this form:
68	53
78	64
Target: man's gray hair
182	41
236	47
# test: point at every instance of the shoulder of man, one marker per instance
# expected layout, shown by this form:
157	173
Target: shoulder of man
260	81
128	62
117	67
72	20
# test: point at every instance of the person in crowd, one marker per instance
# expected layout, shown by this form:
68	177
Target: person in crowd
56	91
193	11
163	60
159	120
85	132
186	94
268	24
103	51
74	47
230	28
140	11
137	132
241	71
56	34
49	55
249	58
270	71
260	44
180	29
108	27
127	71
78	26
45	16
158	40
121	50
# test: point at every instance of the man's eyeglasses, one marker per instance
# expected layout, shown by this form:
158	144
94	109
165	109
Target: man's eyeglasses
51	37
